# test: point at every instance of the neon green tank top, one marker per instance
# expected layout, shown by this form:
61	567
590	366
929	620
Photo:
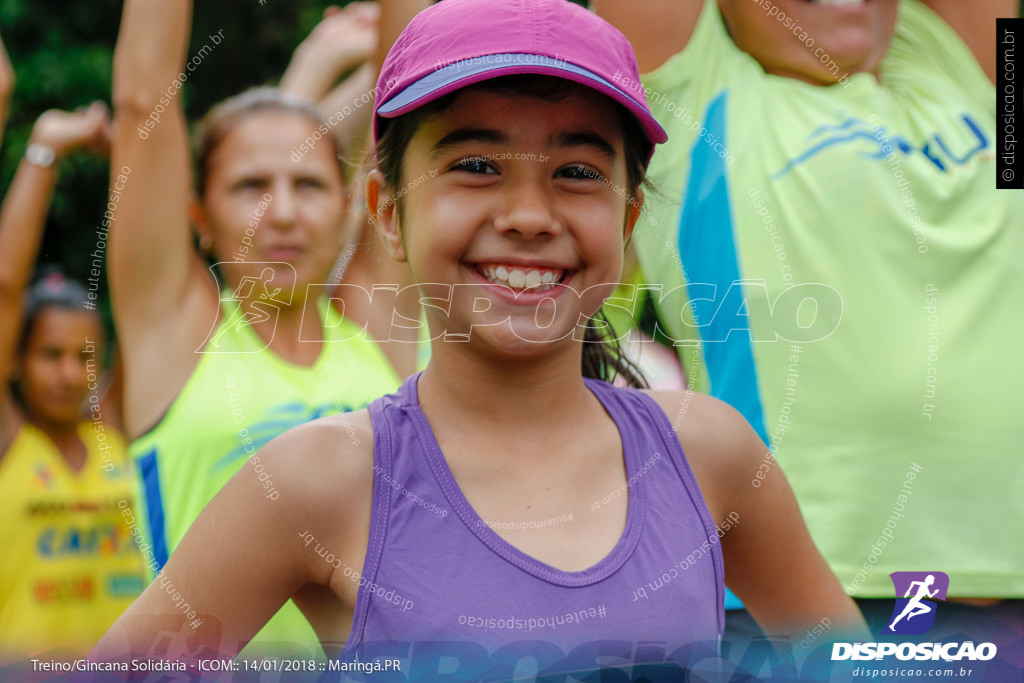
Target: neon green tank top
836	264
240	396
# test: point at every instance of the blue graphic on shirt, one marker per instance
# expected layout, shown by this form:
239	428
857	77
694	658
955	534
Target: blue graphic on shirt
854	130
277	420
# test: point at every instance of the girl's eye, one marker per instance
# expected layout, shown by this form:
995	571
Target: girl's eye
473	165
580	172
249	184
309	183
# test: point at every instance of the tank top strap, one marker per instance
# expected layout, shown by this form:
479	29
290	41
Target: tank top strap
647	423
387	430
650	425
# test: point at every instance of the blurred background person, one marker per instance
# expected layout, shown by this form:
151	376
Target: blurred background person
70	564
836	263
214	370
332	69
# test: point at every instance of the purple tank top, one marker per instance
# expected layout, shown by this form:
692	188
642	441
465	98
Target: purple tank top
442	592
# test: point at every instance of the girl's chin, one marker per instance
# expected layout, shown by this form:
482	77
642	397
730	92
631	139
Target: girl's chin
520	343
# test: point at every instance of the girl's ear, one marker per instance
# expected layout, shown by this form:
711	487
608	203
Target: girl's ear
382	212
633	211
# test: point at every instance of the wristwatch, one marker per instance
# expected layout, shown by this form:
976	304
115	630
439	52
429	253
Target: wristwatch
40	155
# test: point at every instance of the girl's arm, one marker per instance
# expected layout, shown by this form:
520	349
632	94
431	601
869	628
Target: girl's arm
247	553
976	23
23	217
771	563
657	29
163	299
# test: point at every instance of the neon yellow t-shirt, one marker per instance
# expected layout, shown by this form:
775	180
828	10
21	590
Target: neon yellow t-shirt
68	564
839	267
240	396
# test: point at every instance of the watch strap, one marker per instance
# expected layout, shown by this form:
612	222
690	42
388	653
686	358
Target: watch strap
40	155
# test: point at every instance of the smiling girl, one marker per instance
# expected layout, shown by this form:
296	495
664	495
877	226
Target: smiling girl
507	149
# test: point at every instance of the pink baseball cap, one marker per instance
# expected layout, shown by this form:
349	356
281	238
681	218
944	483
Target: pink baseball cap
456	43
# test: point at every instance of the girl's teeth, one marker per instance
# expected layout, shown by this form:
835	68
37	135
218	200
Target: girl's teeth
520	279
838	3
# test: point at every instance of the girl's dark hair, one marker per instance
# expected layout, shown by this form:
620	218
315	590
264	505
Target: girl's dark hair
223	118
50	290
602	357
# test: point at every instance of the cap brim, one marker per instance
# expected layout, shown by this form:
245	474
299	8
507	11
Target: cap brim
455	76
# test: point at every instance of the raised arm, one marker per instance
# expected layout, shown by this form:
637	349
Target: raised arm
6	86
342	40
23	218
976	23
657	29
163	299
247	553
349	108
394	17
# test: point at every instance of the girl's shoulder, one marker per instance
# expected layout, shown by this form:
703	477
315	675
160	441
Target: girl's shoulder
701	420
326	465
720	446
337	447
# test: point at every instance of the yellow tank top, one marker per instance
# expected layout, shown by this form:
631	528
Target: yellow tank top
68	564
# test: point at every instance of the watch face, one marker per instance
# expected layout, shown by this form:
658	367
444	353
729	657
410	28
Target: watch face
40	155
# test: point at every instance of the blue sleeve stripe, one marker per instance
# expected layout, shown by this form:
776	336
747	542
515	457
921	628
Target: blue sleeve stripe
150	471
707	248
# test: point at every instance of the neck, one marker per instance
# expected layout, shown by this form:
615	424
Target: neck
293	332
64	436
500	395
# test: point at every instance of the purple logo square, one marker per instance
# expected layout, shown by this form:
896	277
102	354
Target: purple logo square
917	596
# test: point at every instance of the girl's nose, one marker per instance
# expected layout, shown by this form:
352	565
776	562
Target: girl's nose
528	210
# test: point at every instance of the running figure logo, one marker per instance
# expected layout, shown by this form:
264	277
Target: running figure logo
914	613
265	304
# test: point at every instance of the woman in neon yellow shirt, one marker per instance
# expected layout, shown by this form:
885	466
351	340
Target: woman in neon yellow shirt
215	369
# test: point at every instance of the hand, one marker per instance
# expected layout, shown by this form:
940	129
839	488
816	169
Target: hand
343	39
85	128
346	37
